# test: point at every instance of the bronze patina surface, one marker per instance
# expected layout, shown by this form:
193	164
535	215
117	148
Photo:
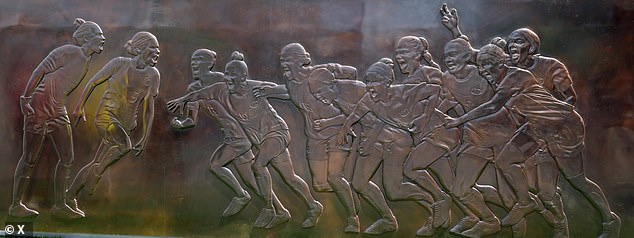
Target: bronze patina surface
290	118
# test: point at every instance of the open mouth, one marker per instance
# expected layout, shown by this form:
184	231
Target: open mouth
515	54
451	65
100	46
402	64
154	59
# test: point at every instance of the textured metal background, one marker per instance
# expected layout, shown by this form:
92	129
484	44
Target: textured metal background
169	192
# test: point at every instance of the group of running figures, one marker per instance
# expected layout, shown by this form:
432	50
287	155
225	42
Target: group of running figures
434	132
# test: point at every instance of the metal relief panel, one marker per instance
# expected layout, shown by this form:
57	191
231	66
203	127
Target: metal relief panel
293	118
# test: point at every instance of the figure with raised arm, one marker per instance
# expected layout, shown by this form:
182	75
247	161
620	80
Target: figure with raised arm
132	86
267	132
549	122
43	105
523	48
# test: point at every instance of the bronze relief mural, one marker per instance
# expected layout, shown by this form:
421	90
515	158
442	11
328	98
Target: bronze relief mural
430	119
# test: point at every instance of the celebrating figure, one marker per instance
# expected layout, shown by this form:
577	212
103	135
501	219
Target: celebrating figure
549	122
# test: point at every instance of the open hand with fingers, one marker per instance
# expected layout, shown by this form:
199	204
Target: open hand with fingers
176	106
261	91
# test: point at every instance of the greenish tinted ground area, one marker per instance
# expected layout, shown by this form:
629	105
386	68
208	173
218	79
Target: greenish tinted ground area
159	210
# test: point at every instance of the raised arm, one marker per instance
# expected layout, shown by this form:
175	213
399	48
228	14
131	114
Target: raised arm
451	21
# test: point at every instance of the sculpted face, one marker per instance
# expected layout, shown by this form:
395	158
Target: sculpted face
235	77
456	57
518	47
150	54
201	61
376	85
292	58
488	67
96	40
407	57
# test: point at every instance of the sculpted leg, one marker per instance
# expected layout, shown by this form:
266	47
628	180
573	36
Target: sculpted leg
365	167
245	172
468	171
90	169
393	166
31	148
222	156
342	188
421	158
263	179
284	167
572	168
547	177
508	163
318	164
62	141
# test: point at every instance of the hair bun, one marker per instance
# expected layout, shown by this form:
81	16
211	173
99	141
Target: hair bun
387	61
128	47
499	41
78	21
236	55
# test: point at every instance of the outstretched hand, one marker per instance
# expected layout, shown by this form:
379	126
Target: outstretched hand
261	91
449	18
176	106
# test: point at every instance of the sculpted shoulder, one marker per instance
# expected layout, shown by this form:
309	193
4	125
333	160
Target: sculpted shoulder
519	76
154	72
544	60
352	90
67	49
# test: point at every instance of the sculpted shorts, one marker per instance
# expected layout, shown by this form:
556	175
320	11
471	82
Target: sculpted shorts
36	125
317	149
242	147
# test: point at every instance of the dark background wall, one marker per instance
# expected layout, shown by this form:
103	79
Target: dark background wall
169	190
